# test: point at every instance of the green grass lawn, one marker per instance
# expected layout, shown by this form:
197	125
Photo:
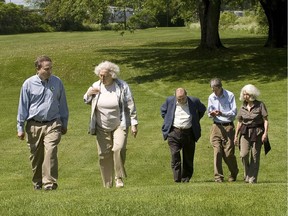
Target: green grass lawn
154	62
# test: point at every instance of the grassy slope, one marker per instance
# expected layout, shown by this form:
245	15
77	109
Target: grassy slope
154	62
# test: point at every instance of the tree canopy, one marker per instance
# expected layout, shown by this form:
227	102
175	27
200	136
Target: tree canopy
66	15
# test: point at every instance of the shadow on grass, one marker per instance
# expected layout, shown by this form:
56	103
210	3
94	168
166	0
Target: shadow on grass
244	58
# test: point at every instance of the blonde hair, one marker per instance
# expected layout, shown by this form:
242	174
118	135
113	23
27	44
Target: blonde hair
113	69
251	90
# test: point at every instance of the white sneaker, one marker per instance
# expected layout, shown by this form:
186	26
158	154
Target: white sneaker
119	183
108	185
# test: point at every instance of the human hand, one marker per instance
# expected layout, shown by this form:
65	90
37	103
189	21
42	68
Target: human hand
134	130
264	138
21	135
214	113
93	91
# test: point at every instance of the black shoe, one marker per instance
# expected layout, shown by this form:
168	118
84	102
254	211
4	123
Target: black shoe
185	180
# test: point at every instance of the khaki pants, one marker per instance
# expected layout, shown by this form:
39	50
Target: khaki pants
251	164
112	154
43	139
222	140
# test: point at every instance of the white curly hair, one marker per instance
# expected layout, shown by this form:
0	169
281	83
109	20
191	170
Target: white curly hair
113	69
251	90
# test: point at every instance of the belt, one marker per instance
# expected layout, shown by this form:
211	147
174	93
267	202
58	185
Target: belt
224	124
42	122
181	129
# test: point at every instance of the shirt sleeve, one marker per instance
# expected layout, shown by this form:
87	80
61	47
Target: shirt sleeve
23	108
233	108
87	99
131	106
210	107
239	116
63	108
163	109
201	109
264	111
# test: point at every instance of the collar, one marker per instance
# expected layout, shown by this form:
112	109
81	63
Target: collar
221	96
185	104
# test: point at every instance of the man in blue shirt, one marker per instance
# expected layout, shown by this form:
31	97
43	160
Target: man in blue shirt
222	109
43	106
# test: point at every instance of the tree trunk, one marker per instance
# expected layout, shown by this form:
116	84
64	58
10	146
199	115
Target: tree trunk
276	13
209	14
125	18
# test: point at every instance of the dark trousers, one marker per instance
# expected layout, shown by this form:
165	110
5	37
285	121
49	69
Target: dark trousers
182	140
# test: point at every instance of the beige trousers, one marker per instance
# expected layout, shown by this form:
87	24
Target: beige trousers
112	154
43	139
222	140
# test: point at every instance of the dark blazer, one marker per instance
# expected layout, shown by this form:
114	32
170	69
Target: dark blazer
196	108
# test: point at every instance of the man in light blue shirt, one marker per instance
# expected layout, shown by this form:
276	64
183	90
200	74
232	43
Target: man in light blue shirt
222	109
43	106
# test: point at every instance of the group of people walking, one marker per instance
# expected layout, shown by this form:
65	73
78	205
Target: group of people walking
43	107
181	127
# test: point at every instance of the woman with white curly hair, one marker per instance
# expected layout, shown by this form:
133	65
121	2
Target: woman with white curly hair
113	112
252	127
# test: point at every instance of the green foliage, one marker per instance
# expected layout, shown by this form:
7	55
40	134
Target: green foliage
254	22
17	19
37	4
142	19
262	20
227	18
97	11
154	62
71	15
66	15
186	10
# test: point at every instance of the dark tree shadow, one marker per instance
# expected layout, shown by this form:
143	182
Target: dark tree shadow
243	58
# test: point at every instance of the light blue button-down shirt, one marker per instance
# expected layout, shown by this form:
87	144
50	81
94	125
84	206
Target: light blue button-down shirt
42	101
224	103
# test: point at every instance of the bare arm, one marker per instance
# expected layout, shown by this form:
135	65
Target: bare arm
237	129
265	134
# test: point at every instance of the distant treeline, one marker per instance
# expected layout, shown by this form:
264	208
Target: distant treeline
19	19
16	19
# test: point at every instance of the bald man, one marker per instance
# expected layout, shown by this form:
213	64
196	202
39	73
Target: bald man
181	127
